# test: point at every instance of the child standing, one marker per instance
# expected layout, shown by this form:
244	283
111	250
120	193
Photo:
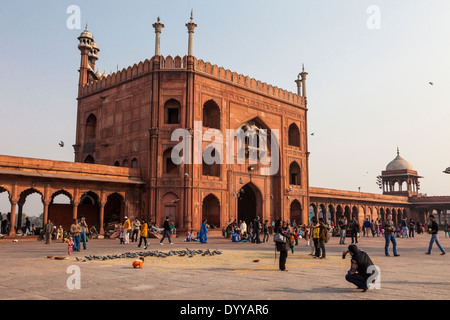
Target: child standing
121	236
70	246
307	237
292	242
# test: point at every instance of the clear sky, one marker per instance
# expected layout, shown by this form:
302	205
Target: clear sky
368	89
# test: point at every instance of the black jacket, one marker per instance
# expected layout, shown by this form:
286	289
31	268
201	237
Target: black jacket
166	226
364	262
283	246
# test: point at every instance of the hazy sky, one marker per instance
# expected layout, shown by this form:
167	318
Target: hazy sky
368	89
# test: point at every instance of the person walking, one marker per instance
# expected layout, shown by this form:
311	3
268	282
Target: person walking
354	229
83	230
203	232
27	226
360	263
266	231
136	226
404	225
257	229
70	246
377	224
389	235
126	230
75	230
144	234
433	229
166	231
412	227
446	229
343	229
366	226
48	232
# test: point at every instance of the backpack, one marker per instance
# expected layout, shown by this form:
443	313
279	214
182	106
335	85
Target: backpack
327	235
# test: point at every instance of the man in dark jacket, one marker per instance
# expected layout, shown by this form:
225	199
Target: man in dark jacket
360	263
256	229
166	231
354	226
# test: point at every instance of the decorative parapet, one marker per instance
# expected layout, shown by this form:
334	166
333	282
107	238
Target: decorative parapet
170	63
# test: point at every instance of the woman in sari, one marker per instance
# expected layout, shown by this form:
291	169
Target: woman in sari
203	232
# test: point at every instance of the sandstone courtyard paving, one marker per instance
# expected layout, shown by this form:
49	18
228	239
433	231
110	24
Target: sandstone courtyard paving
28	274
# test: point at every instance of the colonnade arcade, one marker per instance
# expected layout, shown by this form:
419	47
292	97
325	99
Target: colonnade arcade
97	205
333	211
101	194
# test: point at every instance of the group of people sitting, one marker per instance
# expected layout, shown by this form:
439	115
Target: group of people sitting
243	232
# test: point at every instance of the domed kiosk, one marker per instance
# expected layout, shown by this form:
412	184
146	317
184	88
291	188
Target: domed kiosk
400	178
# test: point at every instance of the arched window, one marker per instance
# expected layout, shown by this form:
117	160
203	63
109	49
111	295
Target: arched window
89	159
169	166
125	163
91	126
134	163
294	135
211	169
211	115
294	174
117	164
257	142
172	112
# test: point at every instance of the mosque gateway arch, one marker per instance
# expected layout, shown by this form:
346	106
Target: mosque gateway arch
123	163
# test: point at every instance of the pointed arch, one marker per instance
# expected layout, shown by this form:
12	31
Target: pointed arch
296	212
89	159
211	210
169	167
172	112
213	169
90	129
211	115
294	135
250	203
294	174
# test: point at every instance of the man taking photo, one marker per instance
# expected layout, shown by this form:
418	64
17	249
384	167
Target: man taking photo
360	263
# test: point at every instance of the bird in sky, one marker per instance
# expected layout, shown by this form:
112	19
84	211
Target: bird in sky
61	144
431	83
312	133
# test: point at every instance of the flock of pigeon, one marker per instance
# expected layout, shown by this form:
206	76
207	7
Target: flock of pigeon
181	253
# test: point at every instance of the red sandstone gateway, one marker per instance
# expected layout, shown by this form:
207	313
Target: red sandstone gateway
127	119
123	152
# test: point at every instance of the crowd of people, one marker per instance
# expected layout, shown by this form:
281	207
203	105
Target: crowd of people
286	236
318	233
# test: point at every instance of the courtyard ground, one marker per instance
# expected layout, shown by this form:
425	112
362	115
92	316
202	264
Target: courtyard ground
27	273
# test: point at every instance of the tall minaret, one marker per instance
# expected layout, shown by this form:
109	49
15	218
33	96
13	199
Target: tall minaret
158	28
303	75
85	46
299	85
93	54
191	27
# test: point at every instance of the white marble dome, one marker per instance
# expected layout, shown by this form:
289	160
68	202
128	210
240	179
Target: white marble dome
399	164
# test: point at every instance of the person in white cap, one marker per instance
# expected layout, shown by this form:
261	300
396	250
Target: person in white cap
127	230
